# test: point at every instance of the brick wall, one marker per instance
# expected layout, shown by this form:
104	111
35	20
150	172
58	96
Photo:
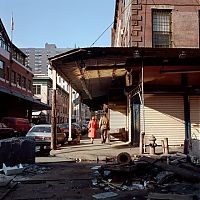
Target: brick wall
185	23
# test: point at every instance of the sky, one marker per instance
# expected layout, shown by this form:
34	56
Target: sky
66	23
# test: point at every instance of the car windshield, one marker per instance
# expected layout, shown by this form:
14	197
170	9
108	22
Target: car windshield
64	126
40	129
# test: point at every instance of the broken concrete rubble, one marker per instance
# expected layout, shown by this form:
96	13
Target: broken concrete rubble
150	175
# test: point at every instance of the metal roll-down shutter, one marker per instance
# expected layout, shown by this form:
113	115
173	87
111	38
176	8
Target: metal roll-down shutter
164	118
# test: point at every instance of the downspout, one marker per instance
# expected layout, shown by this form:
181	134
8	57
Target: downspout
186	98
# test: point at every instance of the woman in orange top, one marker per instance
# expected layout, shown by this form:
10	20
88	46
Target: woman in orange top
92	129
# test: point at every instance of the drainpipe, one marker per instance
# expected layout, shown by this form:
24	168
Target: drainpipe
142	133
186	98
187	123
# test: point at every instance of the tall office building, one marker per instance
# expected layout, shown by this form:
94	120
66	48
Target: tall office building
37	58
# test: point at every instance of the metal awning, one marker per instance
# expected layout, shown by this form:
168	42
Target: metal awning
95	72
35	104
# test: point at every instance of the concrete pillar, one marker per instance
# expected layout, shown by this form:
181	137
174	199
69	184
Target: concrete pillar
53	114
70	113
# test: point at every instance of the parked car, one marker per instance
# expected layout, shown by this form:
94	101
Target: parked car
42	135
65	129
6	132
83	130
20	125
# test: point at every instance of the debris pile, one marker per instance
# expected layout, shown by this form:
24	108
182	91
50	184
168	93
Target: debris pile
165	177
25	173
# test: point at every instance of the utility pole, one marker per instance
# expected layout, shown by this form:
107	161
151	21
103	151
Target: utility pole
54	112
80	112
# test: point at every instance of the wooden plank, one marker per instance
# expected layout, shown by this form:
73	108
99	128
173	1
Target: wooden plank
185	174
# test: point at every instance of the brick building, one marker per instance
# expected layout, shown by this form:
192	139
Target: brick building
168	79
16	97
156	23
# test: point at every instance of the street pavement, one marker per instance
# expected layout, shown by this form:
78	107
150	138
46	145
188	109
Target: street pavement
85	151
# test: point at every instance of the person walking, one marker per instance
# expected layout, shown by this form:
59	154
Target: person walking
104	126
92	129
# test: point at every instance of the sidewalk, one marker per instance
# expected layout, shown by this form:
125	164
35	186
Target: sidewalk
97	151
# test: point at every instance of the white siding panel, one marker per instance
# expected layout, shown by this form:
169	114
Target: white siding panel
164	118
117	119
195	116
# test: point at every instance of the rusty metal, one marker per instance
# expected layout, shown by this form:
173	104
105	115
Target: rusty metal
123	157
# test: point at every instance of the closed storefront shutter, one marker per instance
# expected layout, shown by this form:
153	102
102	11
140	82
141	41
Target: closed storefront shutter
195	116
164	118
117	119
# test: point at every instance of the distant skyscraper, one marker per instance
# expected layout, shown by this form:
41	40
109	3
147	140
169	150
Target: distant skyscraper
37	58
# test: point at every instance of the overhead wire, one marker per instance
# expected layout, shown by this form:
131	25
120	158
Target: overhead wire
111	24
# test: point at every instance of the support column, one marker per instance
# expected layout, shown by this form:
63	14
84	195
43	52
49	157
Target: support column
70	113
80	112
129	119
54	113
187	123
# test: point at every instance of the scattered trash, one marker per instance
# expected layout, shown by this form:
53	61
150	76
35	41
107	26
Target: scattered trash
78	159
94	182
17	169
105	195
165	177
146	174
96	167
107	173
133	187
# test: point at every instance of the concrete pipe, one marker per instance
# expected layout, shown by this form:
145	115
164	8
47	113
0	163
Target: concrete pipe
123	158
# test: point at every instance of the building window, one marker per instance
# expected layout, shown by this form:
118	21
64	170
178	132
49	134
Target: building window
161	28
19	79
23	82
13	77
29	85
36	89
8	74
2	70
